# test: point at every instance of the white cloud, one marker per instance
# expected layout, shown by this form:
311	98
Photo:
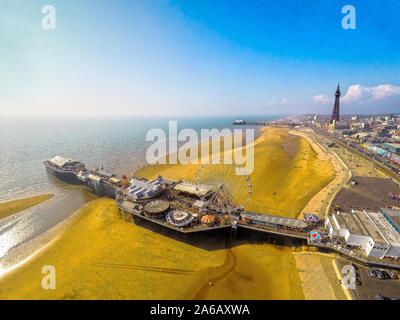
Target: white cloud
320	99
383	91
278	102
354	93
358	93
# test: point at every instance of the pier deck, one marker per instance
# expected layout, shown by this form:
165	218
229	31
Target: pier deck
128	207
281	232
191	229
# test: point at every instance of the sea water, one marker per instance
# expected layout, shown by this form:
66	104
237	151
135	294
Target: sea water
117	144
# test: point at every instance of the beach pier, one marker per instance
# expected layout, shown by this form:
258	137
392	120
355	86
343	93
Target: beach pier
234	230
177	206
99	181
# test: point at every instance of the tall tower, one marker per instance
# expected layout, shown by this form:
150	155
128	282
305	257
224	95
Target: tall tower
335	112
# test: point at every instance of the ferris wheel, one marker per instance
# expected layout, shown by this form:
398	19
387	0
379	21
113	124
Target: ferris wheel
224	188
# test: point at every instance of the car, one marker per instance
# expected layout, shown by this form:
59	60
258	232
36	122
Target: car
393	274
372	272
385	275
379	297
358	282
380	274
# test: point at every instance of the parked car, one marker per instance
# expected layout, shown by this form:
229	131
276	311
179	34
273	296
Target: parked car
385	275
393	274
379	274
381	297
372	272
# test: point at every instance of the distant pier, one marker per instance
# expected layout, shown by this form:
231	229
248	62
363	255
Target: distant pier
278	123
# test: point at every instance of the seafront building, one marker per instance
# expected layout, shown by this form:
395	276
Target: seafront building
392	147
370	232
140	189
393	217
190	188
273	221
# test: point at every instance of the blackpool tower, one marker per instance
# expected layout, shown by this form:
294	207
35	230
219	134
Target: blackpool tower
335	112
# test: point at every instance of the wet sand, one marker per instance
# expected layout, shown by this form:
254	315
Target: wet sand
318	276
102	256
11	207
28	231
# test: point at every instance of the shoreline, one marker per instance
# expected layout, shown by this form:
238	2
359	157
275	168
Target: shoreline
9	208
40	243
48	237
99	221
18	239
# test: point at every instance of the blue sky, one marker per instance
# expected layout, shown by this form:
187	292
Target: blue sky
198	57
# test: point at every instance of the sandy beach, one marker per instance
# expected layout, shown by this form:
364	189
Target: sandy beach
321	201
10	207
100	255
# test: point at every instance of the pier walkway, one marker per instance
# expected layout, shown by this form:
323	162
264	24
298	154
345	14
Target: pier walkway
128	208
352	255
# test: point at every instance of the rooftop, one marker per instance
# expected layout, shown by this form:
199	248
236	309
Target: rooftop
393	214
396	145
350	222
156	206
266	218
360	135
115	180
192	188
390	235
143	189
94	177
370	227
60	161
128	204
104	173
358	223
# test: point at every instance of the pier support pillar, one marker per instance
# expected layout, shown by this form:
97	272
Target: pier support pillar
135	219
126	216
233	234
234	230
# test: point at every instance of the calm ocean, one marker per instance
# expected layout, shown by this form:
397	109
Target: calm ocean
119	144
